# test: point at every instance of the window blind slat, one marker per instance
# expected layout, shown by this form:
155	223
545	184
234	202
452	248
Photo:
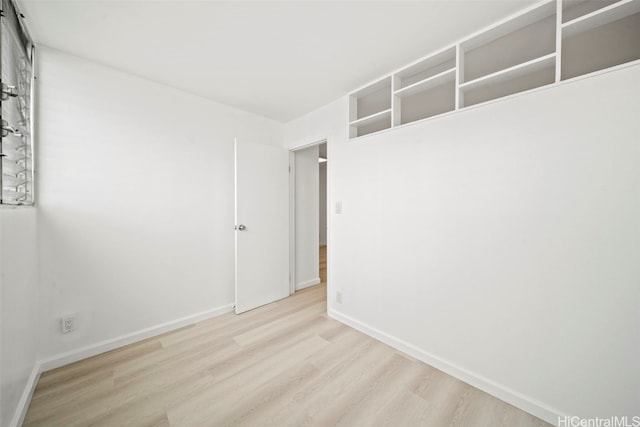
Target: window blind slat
14	197
16	171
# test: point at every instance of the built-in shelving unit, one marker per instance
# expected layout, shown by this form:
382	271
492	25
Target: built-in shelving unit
601	39
542	45
574	9
514	55
425	88
371	119
370	108
519	70
428	83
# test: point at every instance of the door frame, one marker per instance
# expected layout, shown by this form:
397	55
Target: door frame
292	210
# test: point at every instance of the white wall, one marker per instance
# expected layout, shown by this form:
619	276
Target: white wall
135	201
506	245
18	306
307	199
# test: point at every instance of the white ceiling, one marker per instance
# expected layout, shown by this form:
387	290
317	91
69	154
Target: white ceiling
276	59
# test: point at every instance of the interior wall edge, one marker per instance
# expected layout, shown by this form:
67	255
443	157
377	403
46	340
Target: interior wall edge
27	394
526	403
18	311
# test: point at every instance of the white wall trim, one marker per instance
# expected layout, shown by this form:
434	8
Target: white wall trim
519	400
308	283
113	343
25	399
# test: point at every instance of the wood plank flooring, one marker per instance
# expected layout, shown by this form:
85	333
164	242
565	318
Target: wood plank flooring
284	364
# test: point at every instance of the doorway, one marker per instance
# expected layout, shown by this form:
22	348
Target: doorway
323	224
309	224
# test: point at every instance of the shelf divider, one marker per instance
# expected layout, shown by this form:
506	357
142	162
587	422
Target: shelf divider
372	118
511	72
533	14
600	17
428	83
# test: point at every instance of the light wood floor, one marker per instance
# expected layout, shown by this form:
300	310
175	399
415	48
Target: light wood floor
284	364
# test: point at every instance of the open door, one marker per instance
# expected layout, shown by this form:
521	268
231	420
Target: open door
262	224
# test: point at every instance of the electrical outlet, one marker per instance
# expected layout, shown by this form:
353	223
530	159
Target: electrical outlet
68	323
339	297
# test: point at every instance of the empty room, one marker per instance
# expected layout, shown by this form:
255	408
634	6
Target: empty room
320	213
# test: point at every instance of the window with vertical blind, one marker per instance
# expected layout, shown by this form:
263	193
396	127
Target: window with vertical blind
16	148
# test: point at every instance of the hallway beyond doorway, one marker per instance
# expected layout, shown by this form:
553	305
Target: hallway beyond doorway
323	265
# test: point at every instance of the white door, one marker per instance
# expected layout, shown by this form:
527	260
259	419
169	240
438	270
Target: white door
262	224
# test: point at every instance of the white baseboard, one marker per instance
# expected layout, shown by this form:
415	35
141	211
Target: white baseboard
308	283
101	347
25	399
111	344
506	394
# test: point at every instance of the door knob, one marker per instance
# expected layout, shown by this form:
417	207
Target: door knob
240	227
